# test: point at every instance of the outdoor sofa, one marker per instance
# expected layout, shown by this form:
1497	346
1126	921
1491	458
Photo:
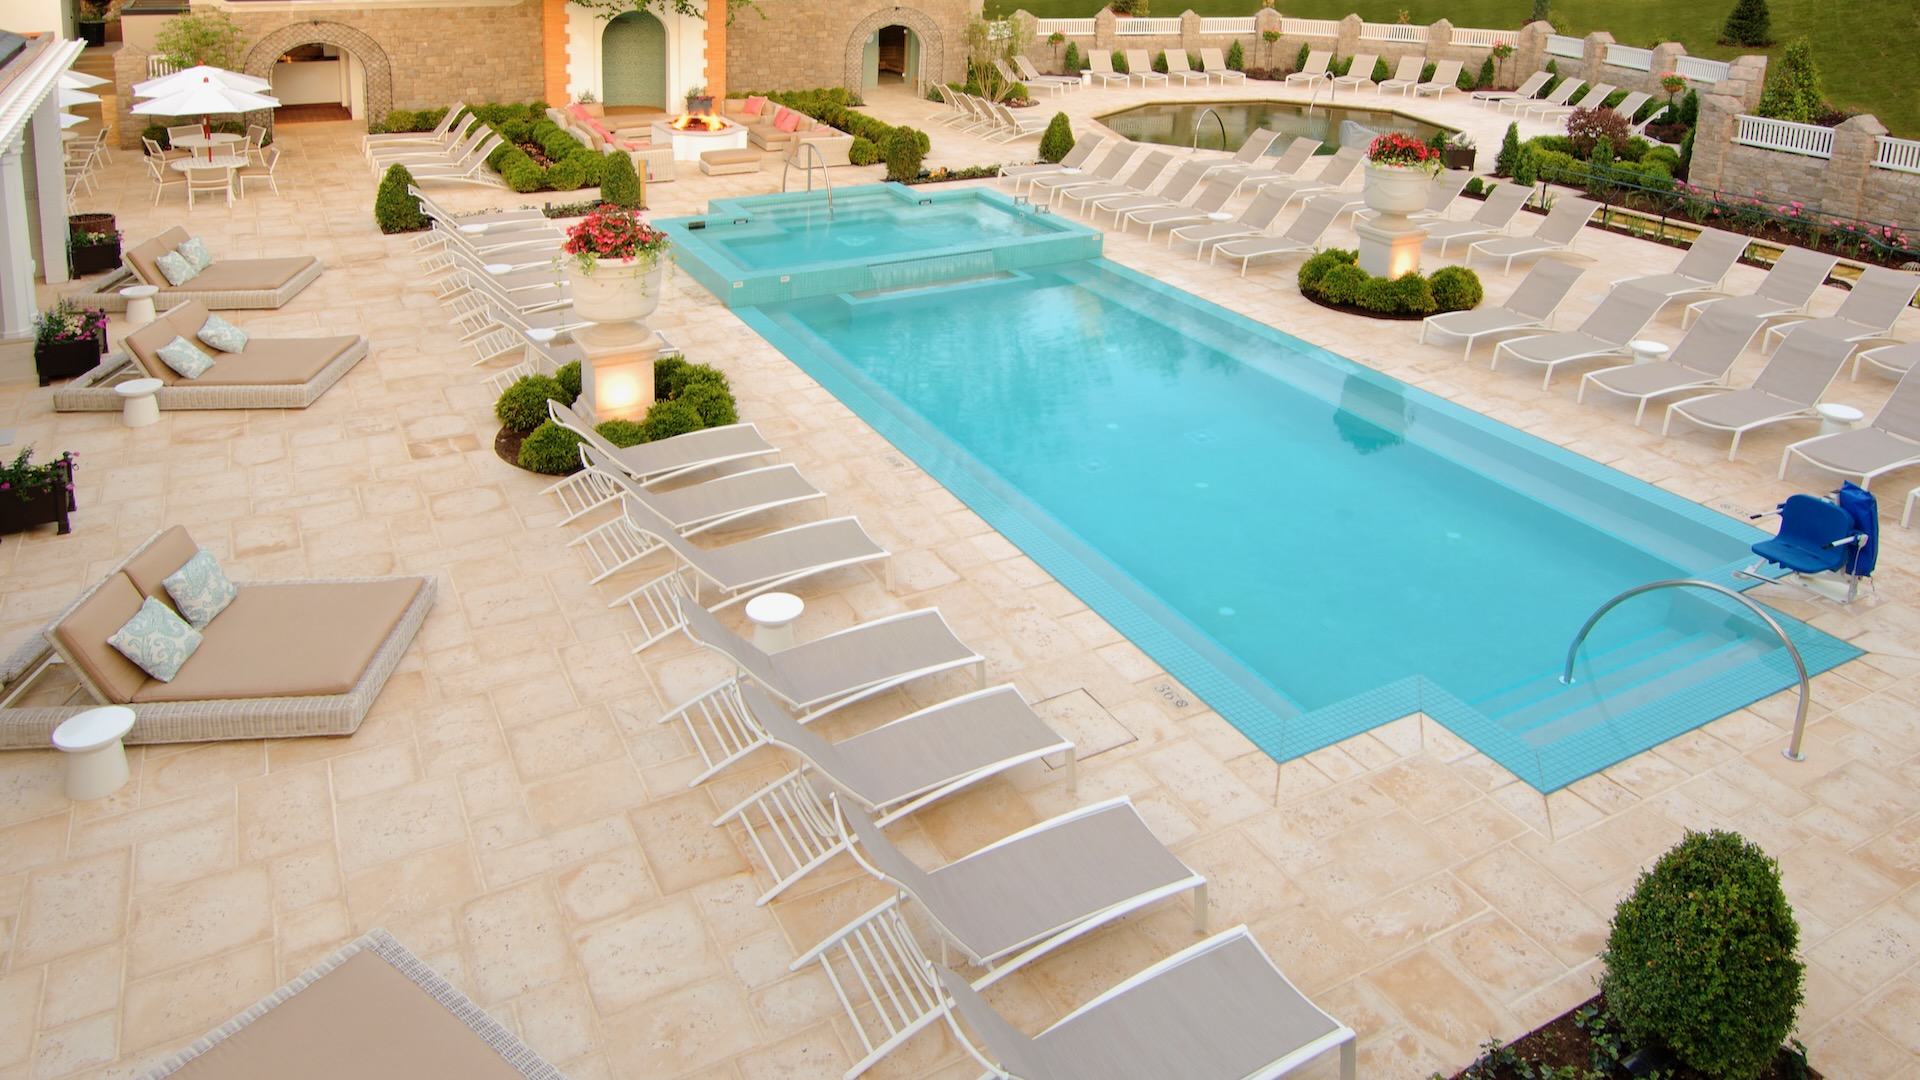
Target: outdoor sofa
269	373
283	659
224	285
775	127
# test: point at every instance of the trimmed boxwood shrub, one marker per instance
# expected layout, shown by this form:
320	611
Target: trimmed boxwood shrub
1057	140
1070	61
618	183
1334	277
394	210
1237	57
523	406
712	400
621	433
569	379
1120	63
665	419
665	370
904	154
1456	288
1701	957
862	152
550	449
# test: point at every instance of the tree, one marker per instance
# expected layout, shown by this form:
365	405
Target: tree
1542	11
1058	138
1073	65
394	210
193	39
618	183
989	40
1509	152
1236	56
1794	92
1748	24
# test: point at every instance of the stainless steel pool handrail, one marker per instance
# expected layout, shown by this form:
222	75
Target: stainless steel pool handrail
1198	120
1792	752
826	176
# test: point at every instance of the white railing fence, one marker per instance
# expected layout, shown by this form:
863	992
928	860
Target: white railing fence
1900	155
1784	135
158	66
1562	45
1626	56
1702	71
1228	26
1045	27
1482	39
1145	27
1309	27
1406	32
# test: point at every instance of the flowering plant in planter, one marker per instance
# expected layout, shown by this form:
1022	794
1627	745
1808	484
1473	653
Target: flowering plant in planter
80	238
68	323
610	232
22	479
1399	150
1673	82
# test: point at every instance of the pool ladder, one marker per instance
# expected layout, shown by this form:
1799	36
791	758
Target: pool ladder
815	158
1198	120
1792	752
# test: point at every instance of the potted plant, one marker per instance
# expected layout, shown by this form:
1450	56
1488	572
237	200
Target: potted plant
590	101
1459	151
36	494
699	102
616	266
68	341
90	252
1399	169
92	21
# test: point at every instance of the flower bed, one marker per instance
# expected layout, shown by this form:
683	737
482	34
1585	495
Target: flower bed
687	397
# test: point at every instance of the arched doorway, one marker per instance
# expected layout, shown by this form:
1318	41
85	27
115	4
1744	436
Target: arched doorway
363	73
892	56
923	50
633	61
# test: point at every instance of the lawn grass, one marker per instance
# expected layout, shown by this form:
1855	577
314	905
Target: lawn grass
1861	48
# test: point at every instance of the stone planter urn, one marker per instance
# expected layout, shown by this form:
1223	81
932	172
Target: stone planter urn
617	295
1390	243
617	290
1394	191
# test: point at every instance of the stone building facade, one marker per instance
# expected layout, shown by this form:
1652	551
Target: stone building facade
799	44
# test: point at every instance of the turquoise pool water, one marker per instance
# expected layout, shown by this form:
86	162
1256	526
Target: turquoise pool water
1311	547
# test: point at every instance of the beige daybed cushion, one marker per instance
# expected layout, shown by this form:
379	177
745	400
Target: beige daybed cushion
364	1020
84	633
264	362
225	275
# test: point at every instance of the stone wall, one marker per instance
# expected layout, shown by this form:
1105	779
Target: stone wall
436	56
1847	185
1744	81
802	44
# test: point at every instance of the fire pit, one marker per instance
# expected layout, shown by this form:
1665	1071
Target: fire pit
692	134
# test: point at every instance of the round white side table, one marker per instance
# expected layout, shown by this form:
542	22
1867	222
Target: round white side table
1646	352
138	406
1835	419
772	615
140	304
96	758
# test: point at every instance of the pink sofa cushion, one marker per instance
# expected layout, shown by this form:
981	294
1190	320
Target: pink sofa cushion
788	121
753	106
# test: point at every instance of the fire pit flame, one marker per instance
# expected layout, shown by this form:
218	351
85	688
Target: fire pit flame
699	122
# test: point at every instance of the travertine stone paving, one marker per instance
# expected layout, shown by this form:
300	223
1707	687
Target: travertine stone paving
511	812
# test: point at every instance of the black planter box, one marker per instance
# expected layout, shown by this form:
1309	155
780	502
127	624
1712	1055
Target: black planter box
1458	157
40	507
94	258
65	360
93	33
700	106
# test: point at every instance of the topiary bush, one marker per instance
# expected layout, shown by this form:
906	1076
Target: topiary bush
904	154
1455	288
1236	57
550	449
523	406
1072	63
621	433
1486	74
1749	23
1058	138
1381	72
1120	63
665	370
712	401
862	152
1509	151
665	419
567	175
1334	277
1701	957
394	210
1300	58
569	379
1526	170
618	183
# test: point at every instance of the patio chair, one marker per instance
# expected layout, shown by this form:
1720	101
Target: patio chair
949	112
1253	220
471	169
1031	75
1100	68
1524	92
1701	360
1006	72
256	143
1270	169
154	153
1253	153
1219	1009
261	173
1315	70
738	571
1631	105
1557	99
1891	441
1897	358
1301	237
1178	67
1178	188
163	177
1446	76
1492	219
1618	319
379	158
1359	73
481	222
183	131
1406	76
1868	313
1011	126
887	772
1556	232
1532	305
1213	195
102	147
1822	541
1135	183
1595	97
443	133
1334	175
1702	269
1076	158
1786	290
209	180
1002	907
618	543
1215	67
1140	66
814	677
664	459
1107	172
1786	389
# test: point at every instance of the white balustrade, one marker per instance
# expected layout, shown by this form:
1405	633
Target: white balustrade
1900	155
1405	32
1145	27
1700	70
1309	27
1229	26
1626	56
1562	45
158	66
1784	135
1046	27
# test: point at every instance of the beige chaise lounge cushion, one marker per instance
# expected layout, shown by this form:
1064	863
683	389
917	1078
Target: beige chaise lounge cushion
149	570
265	361
288	640
84	633
225	275
364	1020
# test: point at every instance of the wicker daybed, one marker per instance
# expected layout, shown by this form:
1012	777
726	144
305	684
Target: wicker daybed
285	659
270	373
224	285
372	1011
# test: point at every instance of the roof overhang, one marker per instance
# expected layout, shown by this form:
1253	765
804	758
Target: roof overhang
28	79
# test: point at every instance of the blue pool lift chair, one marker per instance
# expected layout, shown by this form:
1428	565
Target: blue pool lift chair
1822	542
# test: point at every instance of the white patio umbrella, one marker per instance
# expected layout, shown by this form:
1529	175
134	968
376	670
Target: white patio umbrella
195	76
68	120
80	80
69	96
206	98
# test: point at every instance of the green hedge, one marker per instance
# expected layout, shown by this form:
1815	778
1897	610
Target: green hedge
688	397
1334	277
574	165
834	107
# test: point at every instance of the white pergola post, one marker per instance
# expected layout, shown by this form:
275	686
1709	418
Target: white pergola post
16	254
50	183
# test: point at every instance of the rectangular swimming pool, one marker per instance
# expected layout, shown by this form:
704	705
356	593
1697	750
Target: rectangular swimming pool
1310	546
